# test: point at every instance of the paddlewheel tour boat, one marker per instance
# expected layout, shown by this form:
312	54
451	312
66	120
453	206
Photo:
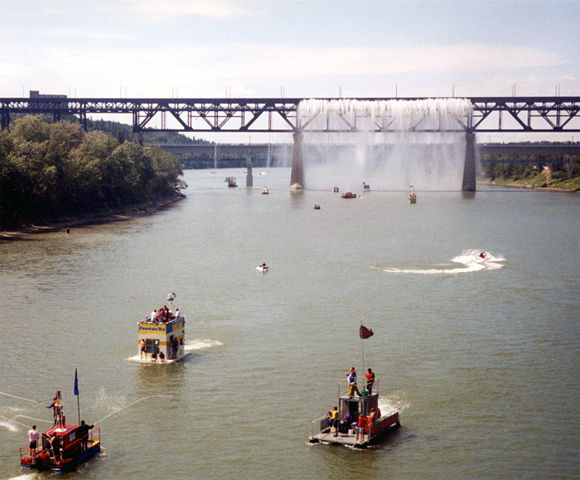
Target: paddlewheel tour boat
161	337
63	446
359	421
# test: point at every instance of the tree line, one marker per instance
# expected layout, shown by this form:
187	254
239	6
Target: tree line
53	170
556	171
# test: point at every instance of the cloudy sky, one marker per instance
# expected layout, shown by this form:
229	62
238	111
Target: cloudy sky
294	48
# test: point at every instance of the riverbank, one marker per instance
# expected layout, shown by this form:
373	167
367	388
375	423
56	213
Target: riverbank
119	215
522	184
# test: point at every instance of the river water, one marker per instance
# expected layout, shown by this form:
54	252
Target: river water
482	358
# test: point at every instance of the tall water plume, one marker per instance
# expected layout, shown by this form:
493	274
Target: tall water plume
389	144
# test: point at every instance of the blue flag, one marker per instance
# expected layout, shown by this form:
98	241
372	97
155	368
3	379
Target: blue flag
76	383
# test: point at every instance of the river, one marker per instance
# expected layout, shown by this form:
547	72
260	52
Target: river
482	358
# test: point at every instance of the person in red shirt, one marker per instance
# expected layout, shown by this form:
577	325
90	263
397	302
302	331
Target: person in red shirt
370	376
363	423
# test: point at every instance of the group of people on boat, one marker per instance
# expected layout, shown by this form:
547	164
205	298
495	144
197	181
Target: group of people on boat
359	426
163	315
157	355
352	382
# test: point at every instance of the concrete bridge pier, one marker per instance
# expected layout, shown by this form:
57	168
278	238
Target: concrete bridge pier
297	175
249	176
469	165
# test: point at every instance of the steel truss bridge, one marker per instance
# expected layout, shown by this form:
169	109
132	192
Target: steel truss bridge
279	115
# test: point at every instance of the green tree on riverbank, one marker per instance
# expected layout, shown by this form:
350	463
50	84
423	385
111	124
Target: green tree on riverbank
553	171
54	170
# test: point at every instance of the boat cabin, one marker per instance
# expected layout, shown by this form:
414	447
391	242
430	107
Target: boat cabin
162	342
62	447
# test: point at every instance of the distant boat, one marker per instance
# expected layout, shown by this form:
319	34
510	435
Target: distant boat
348	195
265	190
482	257
232	183
263	268
412	196
316	206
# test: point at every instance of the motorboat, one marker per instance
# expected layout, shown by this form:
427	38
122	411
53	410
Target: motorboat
348	195
360	422
366	186
482	256
232	182
64	445
263	268
265	190
316	206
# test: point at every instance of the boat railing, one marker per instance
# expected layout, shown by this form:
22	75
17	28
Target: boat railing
343	387
320	424
95	435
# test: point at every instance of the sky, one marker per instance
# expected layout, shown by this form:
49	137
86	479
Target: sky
289	48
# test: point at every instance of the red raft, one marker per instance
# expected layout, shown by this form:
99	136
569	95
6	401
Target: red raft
62	447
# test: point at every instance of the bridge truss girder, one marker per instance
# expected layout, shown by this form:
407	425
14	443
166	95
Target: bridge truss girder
278	115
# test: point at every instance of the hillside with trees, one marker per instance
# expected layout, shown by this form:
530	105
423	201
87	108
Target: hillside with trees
50	171
537	171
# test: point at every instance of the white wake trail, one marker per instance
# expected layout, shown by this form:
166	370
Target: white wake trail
470	261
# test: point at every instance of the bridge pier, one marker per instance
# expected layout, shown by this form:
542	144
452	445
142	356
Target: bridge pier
5	122
469	165
297	175
249	176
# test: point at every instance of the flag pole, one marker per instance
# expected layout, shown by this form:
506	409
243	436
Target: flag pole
76	392
362	349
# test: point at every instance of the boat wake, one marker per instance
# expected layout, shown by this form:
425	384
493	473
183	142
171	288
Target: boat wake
470	261
201	344
9	426
392	403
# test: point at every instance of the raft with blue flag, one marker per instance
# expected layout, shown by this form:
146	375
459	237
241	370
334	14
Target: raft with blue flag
64	445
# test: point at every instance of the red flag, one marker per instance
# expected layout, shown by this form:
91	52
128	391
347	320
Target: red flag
365	332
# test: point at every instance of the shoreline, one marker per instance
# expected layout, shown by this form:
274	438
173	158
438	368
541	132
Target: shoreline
529	187
55	226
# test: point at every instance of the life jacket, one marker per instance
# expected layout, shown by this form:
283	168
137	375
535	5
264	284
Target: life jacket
334	414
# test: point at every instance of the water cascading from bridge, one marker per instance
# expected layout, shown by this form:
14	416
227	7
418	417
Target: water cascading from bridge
389	144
